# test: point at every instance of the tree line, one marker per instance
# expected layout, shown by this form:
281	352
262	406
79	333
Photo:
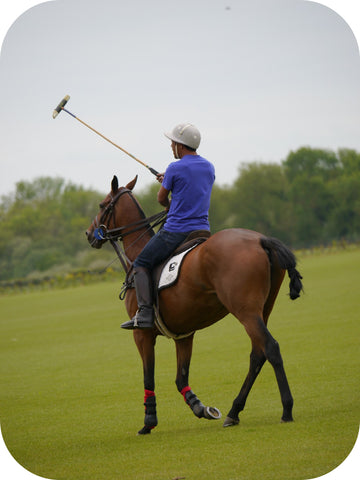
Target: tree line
311	198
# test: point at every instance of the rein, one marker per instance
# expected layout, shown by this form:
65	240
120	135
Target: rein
119	233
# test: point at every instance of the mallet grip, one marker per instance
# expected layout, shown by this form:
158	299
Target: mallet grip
153	171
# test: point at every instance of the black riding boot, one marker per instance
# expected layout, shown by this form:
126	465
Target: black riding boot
144	317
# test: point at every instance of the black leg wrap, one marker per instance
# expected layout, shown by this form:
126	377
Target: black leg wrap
150	412
194	403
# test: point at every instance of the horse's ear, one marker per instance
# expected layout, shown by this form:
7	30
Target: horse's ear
131	184
114	184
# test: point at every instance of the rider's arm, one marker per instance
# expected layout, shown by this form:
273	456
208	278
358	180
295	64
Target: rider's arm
163	197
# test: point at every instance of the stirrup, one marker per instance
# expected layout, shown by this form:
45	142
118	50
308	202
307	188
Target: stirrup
138	321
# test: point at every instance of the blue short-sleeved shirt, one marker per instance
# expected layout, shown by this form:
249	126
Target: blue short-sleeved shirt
190	181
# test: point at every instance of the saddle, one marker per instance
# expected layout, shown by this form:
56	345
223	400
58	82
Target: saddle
167	272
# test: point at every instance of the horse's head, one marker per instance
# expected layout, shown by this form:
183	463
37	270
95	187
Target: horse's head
109	214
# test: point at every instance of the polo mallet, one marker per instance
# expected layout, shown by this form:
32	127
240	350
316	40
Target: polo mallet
61	107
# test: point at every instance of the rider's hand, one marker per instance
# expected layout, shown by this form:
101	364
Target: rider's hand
160	177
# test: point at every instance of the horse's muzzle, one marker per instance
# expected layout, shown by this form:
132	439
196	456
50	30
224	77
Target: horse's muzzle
94	242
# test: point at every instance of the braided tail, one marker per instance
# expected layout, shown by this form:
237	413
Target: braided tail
287	261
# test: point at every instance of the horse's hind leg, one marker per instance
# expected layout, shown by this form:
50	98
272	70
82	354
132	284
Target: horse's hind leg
265	347
272	352
257	360
183	353
274	357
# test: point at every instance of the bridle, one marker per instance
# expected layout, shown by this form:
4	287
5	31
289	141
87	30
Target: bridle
101	226
103	233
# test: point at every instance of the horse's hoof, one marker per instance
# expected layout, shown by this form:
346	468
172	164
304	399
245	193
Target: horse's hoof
230	422
151	420
286	420
212	413
145	430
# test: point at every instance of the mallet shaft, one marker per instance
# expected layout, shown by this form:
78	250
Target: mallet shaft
61	107
108	139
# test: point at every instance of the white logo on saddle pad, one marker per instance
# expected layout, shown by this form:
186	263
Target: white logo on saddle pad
171	269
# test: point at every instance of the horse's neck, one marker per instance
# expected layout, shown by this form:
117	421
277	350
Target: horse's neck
134	243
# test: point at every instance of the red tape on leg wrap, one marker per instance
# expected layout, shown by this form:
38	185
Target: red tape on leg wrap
184	391
148	394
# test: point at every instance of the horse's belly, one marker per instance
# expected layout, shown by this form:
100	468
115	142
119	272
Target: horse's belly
185	310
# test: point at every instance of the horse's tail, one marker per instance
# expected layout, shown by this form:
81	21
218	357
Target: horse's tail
287	261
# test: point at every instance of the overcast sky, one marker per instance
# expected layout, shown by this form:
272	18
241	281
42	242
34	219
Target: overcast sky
259	78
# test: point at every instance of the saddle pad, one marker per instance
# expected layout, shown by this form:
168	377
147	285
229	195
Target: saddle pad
171	269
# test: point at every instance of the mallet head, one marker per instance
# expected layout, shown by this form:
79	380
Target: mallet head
61	106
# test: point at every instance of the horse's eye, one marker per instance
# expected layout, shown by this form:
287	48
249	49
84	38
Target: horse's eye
101	206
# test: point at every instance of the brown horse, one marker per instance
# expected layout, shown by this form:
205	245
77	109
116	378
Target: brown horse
234	271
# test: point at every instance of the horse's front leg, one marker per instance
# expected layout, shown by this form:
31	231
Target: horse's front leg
183	355
145	341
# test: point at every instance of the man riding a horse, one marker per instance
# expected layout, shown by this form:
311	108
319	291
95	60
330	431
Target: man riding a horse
235	271
189	180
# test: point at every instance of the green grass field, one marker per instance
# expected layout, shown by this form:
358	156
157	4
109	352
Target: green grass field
71	388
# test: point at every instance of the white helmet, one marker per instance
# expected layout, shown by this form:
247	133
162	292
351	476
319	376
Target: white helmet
186	134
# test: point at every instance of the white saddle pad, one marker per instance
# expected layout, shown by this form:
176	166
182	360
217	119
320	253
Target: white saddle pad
171	269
